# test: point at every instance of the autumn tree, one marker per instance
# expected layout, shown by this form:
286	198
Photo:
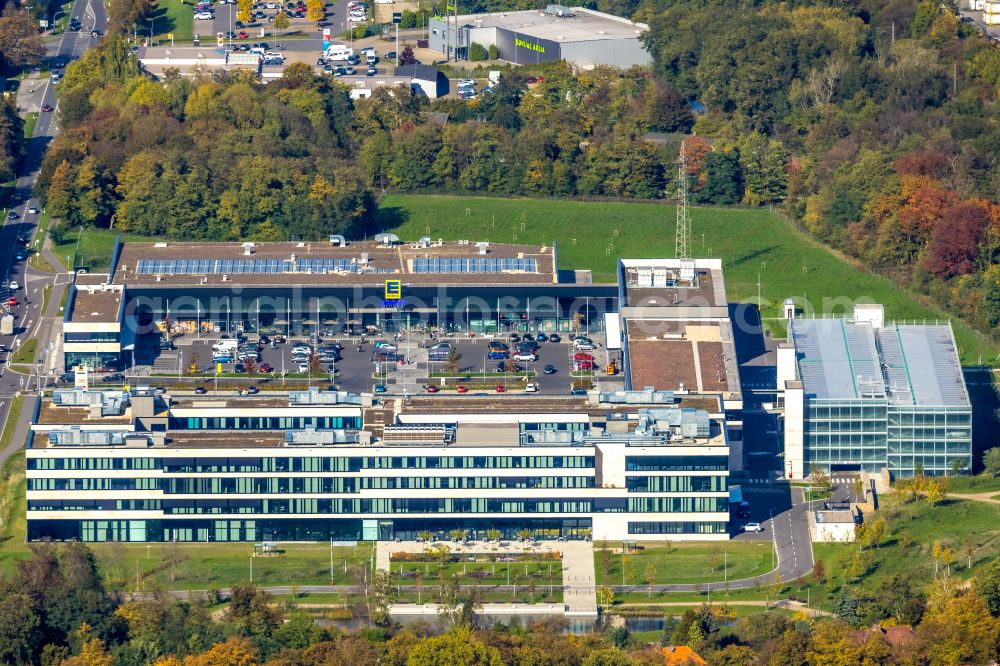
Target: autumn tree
20	43
281	21
314	10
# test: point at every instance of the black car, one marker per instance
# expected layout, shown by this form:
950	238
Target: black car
391	55
528	337
67	377
264	340
113	378
549	369
12	215
578	392
230	35
166	345
201	390
514	337
239	25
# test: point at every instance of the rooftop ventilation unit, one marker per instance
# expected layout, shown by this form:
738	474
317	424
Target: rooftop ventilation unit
687	270
337	240
559	10
483	247
386	240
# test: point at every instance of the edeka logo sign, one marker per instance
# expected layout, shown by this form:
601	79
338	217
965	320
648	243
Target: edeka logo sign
531	46
393	290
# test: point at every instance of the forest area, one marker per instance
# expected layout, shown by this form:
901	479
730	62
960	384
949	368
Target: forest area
873	126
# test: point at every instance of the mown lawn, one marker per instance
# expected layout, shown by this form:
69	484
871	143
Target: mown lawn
13	524
753	244
188	566
175	16
90	247
684	562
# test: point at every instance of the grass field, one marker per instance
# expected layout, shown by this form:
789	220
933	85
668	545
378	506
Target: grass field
25	354
174	16
89	247
684	562
200	566
971	529
974	484
13	523
753	244
29	124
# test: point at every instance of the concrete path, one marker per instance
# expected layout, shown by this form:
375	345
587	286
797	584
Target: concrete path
784	604
987	497
579	579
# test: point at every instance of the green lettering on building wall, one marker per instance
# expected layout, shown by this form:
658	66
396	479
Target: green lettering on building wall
529	45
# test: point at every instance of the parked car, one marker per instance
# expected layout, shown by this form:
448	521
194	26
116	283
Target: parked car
541	337
303	367
554	337
113	378
501	388
525	356
201	390
461	388
531	388
380	388
430	388
350	71
753	527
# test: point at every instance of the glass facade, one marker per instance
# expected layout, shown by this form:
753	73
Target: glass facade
867	435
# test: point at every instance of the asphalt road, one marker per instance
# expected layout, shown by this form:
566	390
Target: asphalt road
29	323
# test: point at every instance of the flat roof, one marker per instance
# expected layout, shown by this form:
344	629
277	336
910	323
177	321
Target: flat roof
581	25
50	413
321	262
95	304
916	364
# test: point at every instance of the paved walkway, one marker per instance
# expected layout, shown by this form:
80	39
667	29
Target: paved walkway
987	497
579	580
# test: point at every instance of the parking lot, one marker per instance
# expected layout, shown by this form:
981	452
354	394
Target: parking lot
407	369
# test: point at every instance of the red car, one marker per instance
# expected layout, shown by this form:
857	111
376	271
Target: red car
265	367
501	388
583	365
580	356
432	389
462	388
11	302
243	35
46	108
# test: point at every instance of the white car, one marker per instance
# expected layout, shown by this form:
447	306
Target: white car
525	356
531	388
14	285
32	210
356	19
272	5
753	527
303	367
583	346
368	50
204	16
359	13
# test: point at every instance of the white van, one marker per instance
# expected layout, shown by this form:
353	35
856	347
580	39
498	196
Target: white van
259	50
338	52
225	346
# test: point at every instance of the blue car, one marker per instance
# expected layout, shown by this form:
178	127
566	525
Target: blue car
498	355
222	359
380	388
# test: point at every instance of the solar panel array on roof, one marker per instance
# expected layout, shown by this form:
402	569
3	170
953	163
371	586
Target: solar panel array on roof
473	265
246	266
910	364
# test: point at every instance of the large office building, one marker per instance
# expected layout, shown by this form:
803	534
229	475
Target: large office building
646	456
863	394
582	37
110	465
